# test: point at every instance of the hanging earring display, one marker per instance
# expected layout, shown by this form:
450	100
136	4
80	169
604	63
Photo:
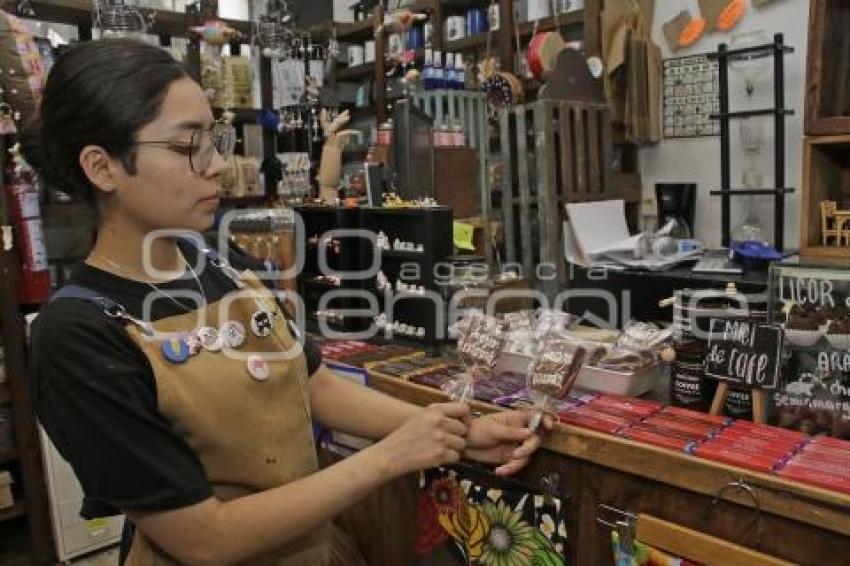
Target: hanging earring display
7	120
224	134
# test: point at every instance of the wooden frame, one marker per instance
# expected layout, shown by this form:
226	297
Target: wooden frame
697	546
571	157
829	43
822	172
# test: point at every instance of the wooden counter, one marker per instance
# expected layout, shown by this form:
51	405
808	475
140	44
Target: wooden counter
790	520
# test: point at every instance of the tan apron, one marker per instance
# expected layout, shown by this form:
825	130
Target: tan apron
249	435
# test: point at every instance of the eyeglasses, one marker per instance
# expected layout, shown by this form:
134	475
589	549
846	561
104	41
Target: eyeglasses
221	139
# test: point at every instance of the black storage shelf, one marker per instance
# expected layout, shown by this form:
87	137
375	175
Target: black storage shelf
755	51
777	50
432	227
399	254
745	192
751	113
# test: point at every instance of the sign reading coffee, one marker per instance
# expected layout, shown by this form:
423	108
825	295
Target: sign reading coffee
744	353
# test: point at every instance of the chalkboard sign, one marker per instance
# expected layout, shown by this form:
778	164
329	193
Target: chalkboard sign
747	354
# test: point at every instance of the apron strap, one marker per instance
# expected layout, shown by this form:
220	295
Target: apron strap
110	307
86	294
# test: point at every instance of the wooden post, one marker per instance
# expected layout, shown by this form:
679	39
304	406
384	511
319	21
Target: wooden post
23	416
759	406
719	398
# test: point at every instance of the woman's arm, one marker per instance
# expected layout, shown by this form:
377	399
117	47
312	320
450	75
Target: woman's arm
501	438
341	404
216	532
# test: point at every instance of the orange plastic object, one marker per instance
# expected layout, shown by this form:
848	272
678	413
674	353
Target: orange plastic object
731	15
692	32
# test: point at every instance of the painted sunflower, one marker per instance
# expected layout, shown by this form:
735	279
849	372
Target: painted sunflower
510	541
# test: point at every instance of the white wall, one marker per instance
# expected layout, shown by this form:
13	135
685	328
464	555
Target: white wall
698	159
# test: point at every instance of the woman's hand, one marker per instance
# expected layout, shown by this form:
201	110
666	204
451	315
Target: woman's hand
433	437
504	438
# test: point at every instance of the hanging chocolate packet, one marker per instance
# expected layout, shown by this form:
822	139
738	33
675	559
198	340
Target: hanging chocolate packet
479	345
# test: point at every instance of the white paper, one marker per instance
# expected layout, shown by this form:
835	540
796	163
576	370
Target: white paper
597	235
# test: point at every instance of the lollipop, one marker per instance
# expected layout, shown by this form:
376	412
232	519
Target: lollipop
555	370
480	341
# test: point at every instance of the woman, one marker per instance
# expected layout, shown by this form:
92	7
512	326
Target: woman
210	456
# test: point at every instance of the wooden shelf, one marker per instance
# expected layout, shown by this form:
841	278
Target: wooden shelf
19	509
357	32
472	42
78	12
241	115
572	19
356	73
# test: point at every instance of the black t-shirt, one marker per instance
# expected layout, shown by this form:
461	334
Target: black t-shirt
95	394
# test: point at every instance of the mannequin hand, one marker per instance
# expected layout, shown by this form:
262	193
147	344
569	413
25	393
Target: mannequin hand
333	127
504	438
434	437
339	139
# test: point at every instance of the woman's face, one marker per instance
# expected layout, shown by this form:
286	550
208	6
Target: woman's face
165	193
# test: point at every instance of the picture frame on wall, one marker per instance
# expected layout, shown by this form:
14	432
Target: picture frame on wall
691	93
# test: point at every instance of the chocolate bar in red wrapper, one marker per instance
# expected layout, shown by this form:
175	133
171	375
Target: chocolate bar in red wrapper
827	453
734	457
764	437
775	452
591	412
658	438
641	407
835	468
766	430
590	422
716	420
820	479
835	443
694	428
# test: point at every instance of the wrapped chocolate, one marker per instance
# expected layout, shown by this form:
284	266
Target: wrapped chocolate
549	320
557	365
643	337
479	344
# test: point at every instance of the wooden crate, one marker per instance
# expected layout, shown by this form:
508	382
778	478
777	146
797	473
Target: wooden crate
553	152
826	176
828	70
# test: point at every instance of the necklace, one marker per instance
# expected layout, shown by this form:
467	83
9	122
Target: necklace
128	273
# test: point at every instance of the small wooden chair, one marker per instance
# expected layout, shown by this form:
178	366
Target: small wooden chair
828	225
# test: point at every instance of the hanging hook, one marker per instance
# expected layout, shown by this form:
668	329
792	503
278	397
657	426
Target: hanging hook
741	485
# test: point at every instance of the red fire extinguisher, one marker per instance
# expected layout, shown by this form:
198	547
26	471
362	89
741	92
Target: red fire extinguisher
22	198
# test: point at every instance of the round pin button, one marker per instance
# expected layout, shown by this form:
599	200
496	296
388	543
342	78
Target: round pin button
261	323
233	334
258	368
175	350
194	343
210	338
